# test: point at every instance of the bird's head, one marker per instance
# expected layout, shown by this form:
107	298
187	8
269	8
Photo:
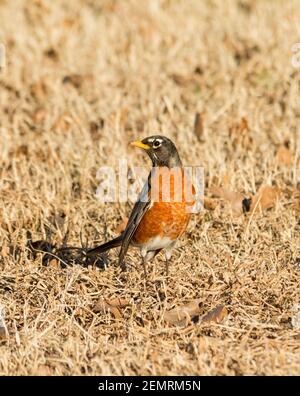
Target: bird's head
161	150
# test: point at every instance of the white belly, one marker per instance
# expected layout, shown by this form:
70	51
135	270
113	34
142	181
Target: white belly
159	243
156	244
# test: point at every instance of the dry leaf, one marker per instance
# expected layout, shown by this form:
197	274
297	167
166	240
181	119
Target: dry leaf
105	308
54	263
73	79
180	80
215	315
3	333
265	198
198	126
95	129
118	302
183	315
284	156
122	225
210	203
84	83
79	311
240	134
235	199
113	306
21	150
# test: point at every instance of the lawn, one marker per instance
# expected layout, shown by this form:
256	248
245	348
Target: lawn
81	80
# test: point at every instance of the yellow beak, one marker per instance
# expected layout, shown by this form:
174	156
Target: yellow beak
139	144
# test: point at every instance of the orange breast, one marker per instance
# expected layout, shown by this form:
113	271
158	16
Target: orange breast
172	198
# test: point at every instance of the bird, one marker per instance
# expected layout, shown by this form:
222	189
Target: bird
162	211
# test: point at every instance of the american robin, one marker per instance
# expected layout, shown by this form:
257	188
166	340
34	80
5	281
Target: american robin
162	212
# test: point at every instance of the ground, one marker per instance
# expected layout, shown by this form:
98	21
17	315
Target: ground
81	80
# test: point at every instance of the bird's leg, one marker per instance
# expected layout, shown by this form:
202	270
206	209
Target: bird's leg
144	266
167	267
123	266
144	261
168	254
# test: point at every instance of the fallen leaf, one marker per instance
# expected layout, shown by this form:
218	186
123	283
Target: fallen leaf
84	83
284	156
180	80
119	302
191	312
198	126
215	315
181	316
78	312
54	263
113	306
116	313
3	333
122	225
266	198
73	79
21	150
240	134
235	199
95	129
210	203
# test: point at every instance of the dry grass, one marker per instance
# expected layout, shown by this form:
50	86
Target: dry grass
83	78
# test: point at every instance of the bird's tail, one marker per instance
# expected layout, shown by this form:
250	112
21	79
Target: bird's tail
105	246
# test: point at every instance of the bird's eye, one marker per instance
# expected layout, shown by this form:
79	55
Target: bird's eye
156	144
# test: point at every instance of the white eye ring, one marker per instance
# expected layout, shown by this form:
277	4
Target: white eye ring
156	144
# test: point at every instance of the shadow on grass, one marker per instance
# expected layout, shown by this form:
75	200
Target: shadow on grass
64	254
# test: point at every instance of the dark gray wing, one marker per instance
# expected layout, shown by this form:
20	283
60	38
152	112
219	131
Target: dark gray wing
140	208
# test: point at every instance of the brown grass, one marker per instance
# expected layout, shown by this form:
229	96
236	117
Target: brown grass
83	78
